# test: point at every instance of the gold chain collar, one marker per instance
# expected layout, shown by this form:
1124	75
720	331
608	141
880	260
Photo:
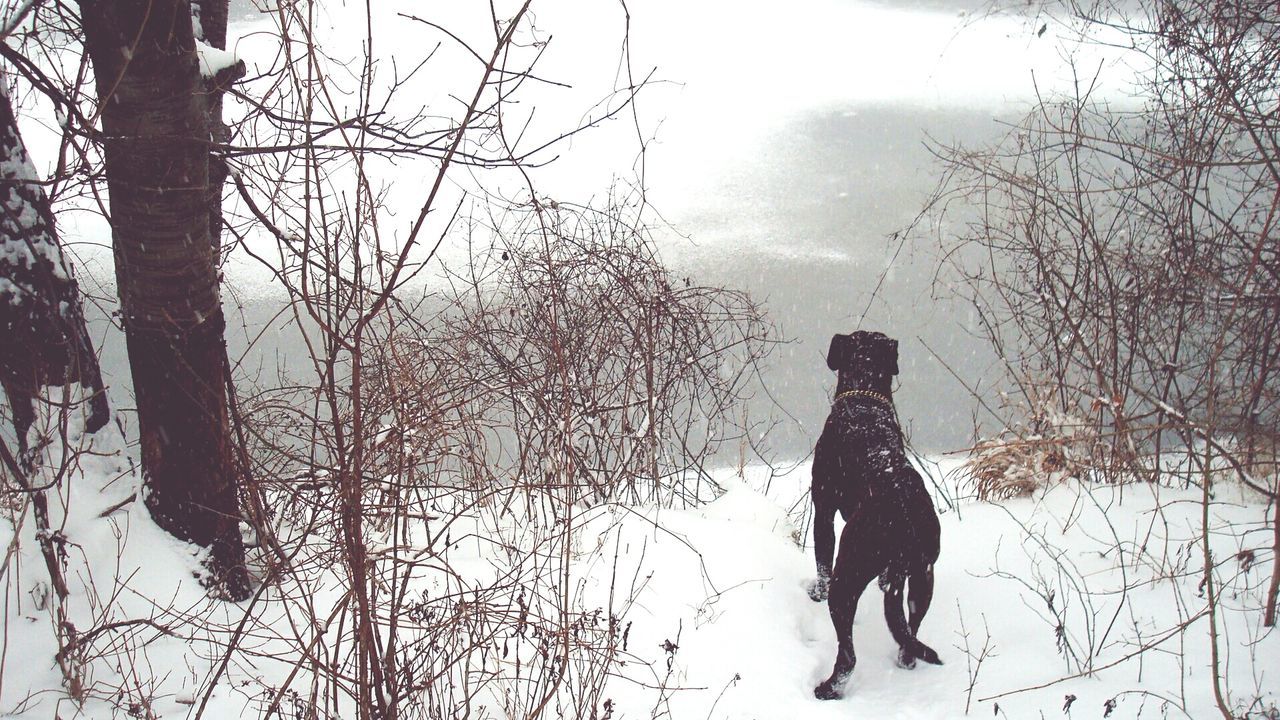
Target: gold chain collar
872	394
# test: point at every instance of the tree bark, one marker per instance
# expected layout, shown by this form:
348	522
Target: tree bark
41	320
210	18
156	133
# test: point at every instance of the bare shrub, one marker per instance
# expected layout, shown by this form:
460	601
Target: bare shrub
1125	252
567	341
421	489
1005	468
1051	446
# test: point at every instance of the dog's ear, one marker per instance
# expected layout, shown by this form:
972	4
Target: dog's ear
889	361
840	353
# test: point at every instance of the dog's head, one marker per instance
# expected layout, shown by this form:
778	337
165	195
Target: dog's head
863	353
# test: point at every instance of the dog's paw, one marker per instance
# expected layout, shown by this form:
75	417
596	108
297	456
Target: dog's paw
827	691
928	655
818	589
833	687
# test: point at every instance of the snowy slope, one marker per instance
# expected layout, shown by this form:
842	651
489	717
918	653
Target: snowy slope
756	649
720	625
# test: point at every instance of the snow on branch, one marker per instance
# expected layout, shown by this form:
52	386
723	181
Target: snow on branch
220	67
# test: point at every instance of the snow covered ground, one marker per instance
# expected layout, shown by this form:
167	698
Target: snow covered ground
1031	596
1119	563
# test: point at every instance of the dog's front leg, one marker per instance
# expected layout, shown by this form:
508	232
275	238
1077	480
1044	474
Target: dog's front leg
843	606
824	543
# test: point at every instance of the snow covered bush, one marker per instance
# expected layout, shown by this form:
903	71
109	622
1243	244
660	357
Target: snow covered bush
1008	467
1051	445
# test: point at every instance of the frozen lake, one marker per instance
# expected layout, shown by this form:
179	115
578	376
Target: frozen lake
790	187
814	212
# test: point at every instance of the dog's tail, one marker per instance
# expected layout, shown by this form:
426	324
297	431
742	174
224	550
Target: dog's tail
902	634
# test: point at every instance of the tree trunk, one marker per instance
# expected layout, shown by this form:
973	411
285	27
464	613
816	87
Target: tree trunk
211	28
156	127
41	321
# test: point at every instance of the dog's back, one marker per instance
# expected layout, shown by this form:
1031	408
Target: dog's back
859	446
861	469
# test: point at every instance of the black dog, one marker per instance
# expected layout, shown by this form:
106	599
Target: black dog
891	530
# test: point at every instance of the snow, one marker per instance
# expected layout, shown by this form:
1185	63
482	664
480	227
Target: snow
196	26
750	619
719	624
214	60
12	291
17	252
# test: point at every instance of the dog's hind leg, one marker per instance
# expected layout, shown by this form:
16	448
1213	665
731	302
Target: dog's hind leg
893	616
919	596
909	647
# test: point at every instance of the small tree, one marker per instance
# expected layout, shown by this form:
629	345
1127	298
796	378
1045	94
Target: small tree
345	487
